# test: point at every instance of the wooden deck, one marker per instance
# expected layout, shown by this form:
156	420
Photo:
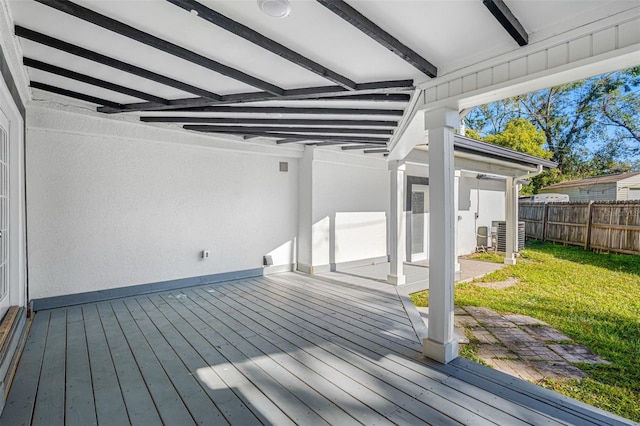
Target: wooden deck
283	349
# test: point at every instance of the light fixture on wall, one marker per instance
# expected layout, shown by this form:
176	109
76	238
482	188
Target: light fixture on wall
275	8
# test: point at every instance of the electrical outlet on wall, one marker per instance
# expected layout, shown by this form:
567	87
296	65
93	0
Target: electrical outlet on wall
205	254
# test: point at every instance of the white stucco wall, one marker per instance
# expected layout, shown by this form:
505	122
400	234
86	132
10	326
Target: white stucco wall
350	207
115	204
485	197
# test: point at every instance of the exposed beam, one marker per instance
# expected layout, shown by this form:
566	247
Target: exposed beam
72	94
290	110
113	63
288	129
376	151
158	43
322	143
297	110
358	20
374	97
278	121
508	20
375	91
262	41
355	147
293	136
33	63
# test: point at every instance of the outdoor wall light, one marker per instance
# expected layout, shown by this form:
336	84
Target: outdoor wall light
275	8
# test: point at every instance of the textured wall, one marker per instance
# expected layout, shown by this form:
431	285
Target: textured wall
108	206
487	198
350	207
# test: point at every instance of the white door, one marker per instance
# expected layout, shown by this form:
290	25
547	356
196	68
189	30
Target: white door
5	288
419	223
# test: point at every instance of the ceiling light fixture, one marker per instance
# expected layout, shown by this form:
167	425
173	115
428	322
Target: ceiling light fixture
275	8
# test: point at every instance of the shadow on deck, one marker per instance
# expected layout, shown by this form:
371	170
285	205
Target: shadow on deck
282	349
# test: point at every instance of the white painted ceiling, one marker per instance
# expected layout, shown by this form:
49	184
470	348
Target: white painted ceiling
451	34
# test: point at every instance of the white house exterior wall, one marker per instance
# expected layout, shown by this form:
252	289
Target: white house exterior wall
625	185
350	208
112	205
601	192
481	196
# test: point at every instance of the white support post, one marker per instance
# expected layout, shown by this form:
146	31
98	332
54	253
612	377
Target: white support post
397	226
456	192
440	344
511	216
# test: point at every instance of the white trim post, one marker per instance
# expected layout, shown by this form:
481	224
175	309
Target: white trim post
397	226
511	217
456	196
440	344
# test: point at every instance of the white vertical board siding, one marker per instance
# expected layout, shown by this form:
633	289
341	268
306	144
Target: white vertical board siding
626	191
107	212
352	192
596	192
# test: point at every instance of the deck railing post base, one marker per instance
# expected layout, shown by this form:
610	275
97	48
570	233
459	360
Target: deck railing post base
441	352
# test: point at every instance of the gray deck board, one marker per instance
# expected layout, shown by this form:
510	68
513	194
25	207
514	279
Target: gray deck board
18	408
109	402
391	372
49	408
278	350
202	408
373	317
292	395
170	406
80	406
355	328
271	346
227	386
136	395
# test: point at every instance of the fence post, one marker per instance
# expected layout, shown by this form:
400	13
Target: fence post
587	239
544	221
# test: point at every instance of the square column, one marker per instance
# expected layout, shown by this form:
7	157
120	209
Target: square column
397	225
440	344
456	193
511	216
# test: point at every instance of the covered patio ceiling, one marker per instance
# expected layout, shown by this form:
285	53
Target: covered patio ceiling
330	72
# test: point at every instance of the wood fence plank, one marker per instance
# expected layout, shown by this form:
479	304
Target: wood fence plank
600	225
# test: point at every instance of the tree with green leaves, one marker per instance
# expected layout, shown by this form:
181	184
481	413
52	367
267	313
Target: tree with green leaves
590	126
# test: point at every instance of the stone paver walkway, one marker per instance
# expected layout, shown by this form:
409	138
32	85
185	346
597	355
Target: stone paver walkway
523	346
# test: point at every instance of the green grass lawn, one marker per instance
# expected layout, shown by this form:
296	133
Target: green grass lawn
592	298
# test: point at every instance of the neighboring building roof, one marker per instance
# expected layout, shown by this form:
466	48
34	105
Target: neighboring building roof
472	146
595	180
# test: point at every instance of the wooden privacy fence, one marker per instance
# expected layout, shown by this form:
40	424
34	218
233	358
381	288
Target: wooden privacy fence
600	225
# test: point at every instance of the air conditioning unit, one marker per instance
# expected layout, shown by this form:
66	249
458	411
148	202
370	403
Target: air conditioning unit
499	234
